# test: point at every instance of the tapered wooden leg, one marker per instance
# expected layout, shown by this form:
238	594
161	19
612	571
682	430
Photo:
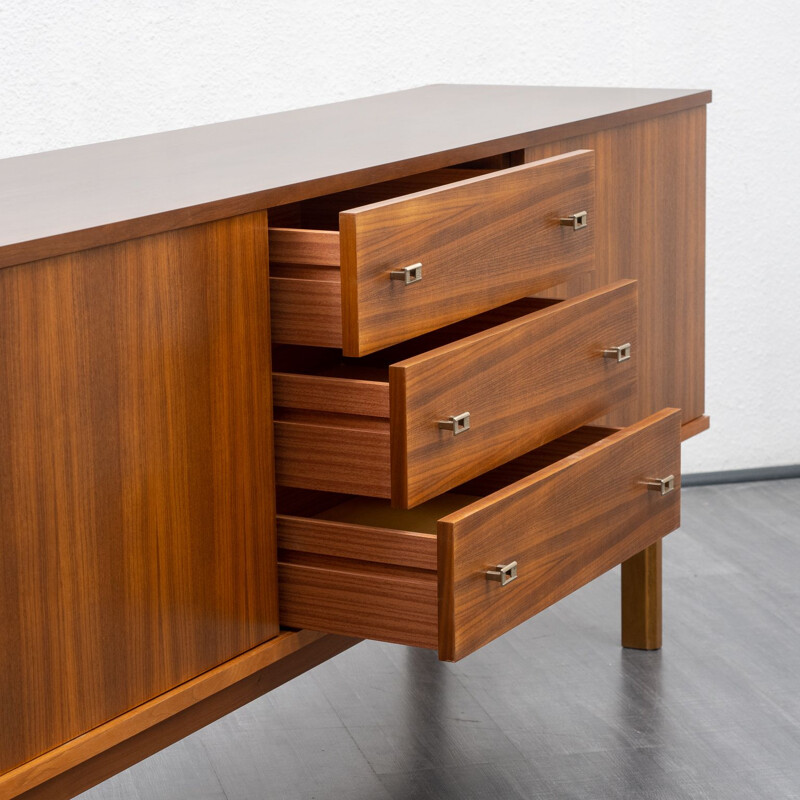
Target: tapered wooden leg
641	599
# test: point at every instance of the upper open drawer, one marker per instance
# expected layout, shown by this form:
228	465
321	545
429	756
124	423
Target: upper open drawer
407	265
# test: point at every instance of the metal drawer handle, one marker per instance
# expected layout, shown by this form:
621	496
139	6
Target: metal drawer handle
408	275
662	485
620	353
576	221
458	424
503	573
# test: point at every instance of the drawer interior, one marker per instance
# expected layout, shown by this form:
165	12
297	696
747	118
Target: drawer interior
322	362
322	213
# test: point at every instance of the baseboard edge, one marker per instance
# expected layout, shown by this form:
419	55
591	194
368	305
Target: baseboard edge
741	475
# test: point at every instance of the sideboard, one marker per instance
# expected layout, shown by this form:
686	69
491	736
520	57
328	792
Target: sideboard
409	368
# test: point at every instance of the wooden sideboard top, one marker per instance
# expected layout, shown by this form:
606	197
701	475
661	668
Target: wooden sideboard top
80	197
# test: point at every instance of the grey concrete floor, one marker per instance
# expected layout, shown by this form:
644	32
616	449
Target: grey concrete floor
554	709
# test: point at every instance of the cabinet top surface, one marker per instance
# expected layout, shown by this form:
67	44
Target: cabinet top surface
67	200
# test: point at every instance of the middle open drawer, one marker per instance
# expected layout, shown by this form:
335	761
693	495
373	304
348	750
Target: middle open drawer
426	415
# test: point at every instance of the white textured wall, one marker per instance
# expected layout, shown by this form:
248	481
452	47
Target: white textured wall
73	72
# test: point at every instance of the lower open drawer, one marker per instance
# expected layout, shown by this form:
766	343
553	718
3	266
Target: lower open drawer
459	570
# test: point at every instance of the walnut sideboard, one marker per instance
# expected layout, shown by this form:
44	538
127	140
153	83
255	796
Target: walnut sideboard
408	368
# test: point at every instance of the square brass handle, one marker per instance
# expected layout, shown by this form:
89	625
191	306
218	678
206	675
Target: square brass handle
410	274
458	424
503	573
620	353
576	221
661	485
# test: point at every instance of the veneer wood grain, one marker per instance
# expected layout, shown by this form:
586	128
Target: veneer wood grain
695	426
137	514
333	457
328	394
323	212
320	248
306	312
360	542
650	187
80	763
641	599
136	484
363	599
82	197
528	463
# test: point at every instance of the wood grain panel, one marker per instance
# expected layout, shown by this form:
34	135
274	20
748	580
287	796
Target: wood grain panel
524	383
323	212
291	246
564	525
641	599
333	457
341	422
694	426
397	606
336	395
482	242
571	288
650	225
82	197
136	480
360	542
79	764
306	311
525	465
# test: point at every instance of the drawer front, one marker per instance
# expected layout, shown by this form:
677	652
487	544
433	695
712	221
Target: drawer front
566	513
482	242
523	383
564	526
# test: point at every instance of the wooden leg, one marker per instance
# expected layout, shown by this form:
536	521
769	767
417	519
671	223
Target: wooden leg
641	599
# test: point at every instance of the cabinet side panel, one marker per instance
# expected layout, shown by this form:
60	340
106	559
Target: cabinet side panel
137	542
650	209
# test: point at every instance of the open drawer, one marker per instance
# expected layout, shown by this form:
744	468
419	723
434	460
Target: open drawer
464	568
424	416
400	267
